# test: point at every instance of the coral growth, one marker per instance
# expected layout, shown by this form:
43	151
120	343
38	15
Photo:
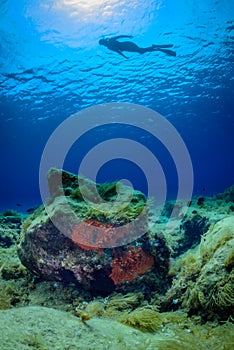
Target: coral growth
95	235
130	264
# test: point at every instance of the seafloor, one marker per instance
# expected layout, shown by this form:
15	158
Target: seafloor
195	312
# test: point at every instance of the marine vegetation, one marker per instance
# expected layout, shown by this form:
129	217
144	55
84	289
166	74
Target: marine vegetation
144	319
158	297
204	277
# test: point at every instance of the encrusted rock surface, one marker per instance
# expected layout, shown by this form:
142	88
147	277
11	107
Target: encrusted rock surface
57	246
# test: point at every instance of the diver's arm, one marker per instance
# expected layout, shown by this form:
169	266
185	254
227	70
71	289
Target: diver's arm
122	36
121	53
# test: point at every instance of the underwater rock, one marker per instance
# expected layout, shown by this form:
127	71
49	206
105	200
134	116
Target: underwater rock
227	195
204	277
10	226
192	229
82	247
195	223
39	328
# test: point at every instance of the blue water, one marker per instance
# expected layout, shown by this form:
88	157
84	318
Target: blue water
52	66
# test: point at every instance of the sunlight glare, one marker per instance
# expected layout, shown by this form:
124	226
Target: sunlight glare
68	22
89	7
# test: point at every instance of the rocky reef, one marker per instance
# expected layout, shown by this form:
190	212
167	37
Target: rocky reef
189	268
172	289
97	249
10	227
40	328
204	277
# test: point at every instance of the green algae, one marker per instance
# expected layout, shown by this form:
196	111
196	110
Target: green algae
146	320
79	191
128	301
5	300
203	277
10	226
26	224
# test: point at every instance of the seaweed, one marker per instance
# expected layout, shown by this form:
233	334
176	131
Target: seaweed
118	303
204	277
146	320
5	300
34	341
223	297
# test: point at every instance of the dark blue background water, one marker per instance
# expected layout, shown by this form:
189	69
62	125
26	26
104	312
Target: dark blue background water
51	66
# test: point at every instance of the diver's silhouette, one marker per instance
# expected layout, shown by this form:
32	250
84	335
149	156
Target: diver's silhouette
120	46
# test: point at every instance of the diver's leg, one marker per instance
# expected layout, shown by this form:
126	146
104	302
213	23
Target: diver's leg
145	49
166	51
130	47
163	46
157	48
148	49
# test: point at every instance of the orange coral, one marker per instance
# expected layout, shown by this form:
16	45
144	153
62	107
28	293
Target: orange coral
94	235
129	265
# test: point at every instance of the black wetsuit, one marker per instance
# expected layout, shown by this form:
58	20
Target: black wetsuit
120	46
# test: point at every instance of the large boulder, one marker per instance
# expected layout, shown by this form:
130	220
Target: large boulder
75	237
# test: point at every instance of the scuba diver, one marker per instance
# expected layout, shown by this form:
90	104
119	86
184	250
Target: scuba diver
120	46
